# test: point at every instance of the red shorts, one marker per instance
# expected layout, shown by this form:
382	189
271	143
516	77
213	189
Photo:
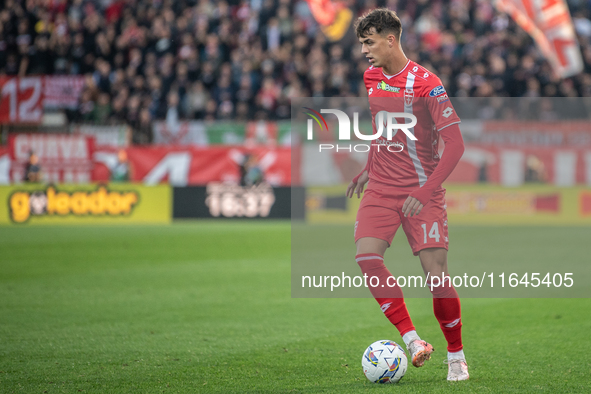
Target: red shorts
380	215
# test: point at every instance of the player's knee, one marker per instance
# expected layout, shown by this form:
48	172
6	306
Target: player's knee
371	245
441	289
434	261
370	263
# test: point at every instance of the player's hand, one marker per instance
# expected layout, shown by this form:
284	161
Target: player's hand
354	188
411	207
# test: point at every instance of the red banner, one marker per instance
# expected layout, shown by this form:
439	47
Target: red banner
62	157
196	166
504	165
515	166
549	23
566	133
21	99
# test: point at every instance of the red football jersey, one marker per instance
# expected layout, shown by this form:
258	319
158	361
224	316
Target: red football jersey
417	91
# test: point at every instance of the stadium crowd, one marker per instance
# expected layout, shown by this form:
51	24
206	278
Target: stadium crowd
203	59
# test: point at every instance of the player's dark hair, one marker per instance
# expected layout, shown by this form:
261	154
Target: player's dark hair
383	20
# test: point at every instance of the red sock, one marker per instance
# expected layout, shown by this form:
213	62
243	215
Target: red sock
391	299
446	305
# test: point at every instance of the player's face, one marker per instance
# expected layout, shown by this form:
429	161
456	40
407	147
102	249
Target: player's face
376	48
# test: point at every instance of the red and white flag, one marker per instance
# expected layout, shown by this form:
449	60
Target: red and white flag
549	23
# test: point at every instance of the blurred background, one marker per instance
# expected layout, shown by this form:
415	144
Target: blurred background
188	93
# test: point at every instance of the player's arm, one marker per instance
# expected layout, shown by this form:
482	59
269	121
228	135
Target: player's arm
357	184
454	149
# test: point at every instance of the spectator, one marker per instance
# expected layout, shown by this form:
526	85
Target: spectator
241	59
121	172
142	133
102	110
32	169
197	99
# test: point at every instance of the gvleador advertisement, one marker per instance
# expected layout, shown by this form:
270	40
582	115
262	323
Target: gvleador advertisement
89	204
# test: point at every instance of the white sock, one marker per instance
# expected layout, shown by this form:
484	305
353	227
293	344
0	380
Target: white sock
456	355
409	337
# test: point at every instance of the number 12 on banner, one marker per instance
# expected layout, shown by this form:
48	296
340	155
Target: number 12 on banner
21	100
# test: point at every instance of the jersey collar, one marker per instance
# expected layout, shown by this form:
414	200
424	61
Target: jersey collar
398	73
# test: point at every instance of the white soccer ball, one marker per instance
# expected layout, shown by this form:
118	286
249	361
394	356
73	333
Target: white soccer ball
384	362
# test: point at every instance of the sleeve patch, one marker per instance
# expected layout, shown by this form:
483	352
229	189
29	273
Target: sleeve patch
442	99
437	91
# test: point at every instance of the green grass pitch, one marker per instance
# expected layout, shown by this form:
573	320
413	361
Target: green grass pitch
206	307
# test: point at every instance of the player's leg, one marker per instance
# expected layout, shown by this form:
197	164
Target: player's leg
446	302
428	236
370	252
447	309
377	223
370	257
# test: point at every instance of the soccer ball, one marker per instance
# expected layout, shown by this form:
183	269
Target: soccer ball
384	362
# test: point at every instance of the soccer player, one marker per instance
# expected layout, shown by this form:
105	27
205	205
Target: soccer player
405	184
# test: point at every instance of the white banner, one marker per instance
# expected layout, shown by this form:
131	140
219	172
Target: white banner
549	23
180	133
104	136
63	91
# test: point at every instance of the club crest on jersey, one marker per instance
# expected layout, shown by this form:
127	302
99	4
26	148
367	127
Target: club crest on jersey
387	88
437	91
409	96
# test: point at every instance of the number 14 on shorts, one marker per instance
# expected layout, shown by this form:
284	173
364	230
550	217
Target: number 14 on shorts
433	233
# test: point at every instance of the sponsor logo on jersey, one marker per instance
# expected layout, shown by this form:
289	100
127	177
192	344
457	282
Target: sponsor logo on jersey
370	91
437	91
447	112
392	146
442	99
387	88
409	96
